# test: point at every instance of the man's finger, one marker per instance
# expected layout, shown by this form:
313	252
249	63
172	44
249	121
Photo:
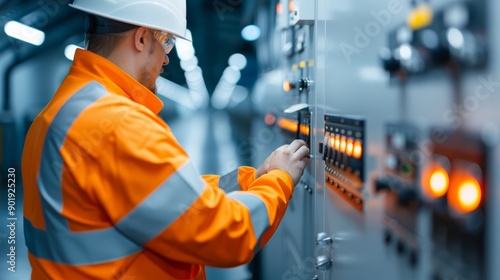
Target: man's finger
295	145
302	152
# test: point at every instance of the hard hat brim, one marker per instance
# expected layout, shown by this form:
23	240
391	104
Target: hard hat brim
126	21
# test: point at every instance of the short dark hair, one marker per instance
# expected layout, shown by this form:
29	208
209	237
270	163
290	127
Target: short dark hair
102	44
102	34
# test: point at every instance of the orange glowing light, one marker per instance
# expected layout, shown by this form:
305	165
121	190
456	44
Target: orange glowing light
350	147
279	8
358	149
306	130
332	141
287	86
287	125
438	182
343	144
337	142
291	6
466	197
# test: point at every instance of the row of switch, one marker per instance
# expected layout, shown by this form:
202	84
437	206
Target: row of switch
337	145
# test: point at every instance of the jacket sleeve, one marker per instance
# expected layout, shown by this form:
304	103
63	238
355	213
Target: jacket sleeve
236	180
155	197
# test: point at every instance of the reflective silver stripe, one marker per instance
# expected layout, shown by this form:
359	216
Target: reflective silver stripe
229	182
78	248
163	206
49	177
258	213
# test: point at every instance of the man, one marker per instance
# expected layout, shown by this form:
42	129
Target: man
110	193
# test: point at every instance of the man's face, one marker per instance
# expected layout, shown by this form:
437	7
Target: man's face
154	63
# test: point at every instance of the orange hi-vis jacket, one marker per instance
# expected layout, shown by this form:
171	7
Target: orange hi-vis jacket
110	194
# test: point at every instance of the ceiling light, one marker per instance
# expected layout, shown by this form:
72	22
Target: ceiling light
250	32
70	50
24	33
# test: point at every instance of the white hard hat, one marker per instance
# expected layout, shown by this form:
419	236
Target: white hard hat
164	15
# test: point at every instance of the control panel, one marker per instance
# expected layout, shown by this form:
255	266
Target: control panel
343	153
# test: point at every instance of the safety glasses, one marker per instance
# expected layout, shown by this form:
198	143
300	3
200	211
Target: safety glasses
166	39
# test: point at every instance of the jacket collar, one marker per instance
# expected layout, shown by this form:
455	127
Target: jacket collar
116	81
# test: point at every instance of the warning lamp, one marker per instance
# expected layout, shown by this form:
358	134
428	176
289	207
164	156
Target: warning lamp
287	86
279	8
282	123
291	5
303	129
287	124
465	193
306	129
337	142
358	149
350	147
343	144
438	182
332	141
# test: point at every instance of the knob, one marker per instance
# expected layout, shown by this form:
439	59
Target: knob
323	239
303	84
323	263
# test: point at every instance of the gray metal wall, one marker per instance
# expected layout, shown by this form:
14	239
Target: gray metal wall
354	83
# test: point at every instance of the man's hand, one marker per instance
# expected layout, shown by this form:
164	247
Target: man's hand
289	158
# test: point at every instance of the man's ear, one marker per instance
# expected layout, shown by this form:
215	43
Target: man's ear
140	38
